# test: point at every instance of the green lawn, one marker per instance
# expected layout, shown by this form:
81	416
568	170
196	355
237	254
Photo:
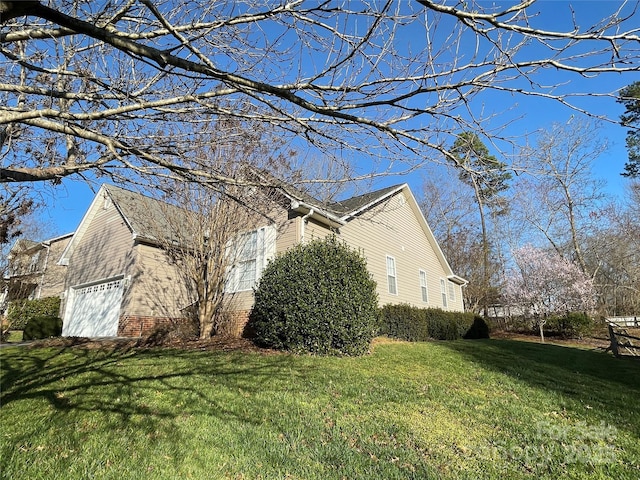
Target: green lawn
466	409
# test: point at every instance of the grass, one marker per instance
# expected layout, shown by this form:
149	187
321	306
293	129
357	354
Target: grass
14	336
447	410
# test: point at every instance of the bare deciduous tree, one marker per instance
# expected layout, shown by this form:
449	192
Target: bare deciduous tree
201	233
102	88
612	251
15	207
200	226
558	193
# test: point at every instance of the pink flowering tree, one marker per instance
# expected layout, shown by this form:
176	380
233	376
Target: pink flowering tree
543	283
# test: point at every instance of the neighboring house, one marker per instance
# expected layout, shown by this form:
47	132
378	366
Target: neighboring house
33	271
120	282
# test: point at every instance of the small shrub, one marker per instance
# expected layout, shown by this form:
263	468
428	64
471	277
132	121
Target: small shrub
479	329
43	326
317	297
20	312
419	324
571	325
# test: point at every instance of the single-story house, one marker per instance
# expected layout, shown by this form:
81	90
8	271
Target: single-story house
120	282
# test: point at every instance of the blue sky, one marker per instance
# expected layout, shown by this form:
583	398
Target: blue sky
67	203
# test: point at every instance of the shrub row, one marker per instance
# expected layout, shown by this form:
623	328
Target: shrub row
414	324
571	325
20	312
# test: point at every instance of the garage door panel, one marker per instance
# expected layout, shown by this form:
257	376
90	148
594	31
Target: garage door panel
95	310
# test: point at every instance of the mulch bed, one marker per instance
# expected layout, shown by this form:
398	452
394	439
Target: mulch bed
217	343
245	345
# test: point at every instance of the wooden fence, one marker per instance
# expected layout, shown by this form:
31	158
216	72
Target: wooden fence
623	344
633	322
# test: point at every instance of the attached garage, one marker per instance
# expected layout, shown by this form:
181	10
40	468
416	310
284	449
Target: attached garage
94	310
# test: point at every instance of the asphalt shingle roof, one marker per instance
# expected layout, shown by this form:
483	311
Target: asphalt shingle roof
147	217
354	204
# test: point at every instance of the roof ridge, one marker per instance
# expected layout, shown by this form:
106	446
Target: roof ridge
356	202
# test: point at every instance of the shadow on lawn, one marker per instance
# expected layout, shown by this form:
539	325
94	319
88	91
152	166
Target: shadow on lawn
126	400
587	377
145	386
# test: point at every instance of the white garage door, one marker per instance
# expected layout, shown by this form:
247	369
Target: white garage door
94	310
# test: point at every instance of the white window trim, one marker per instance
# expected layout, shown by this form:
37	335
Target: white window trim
443	293
424	289
264	251
34	261
391	275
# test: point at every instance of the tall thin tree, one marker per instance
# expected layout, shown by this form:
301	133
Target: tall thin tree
488	178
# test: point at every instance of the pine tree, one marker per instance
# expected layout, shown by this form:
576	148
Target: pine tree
630	98
488	177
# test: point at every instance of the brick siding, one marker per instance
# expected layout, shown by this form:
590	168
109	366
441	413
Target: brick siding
139	326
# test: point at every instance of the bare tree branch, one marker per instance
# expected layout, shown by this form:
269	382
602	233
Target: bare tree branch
133	82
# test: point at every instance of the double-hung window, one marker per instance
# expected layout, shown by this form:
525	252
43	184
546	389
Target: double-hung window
423	286
33	265
248	256
443	292
391	275
452	292
247	260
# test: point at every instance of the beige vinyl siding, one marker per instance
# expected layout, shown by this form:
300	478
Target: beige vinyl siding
239	301
159	287
287	234
52	281
393	229
313	230
104	250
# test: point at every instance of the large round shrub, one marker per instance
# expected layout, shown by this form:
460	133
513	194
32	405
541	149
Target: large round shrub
317	297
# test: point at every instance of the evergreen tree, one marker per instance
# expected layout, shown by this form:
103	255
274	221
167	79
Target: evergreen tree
488	177
630	98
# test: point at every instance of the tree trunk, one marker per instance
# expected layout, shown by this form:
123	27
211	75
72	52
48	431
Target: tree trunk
541	326
485	250
205	320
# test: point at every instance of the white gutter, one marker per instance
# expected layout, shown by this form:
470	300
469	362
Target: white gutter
321	215
458	280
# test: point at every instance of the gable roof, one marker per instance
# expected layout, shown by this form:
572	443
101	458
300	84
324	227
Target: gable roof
144	216
352	206
23	245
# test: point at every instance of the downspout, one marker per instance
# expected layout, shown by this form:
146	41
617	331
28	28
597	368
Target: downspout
303	221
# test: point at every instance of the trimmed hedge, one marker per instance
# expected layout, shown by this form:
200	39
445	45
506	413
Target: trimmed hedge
42	327
414	324
20	312
317	297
